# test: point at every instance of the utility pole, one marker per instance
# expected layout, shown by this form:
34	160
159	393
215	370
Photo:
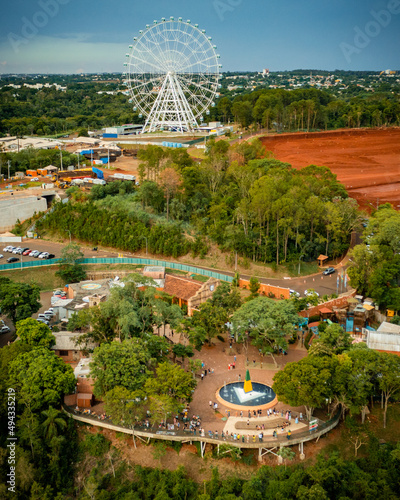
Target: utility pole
61	163
8	169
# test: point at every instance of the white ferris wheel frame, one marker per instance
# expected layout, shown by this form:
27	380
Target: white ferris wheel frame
172	75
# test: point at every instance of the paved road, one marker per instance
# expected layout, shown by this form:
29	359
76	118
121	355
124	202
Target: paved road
324	285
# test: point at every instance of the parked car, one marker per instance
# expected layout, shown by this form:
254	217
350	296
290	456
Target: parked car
16	250
36	254
11	249
27	251
8	248
33	253
43	255
12	259
50	256
43	320
22	250
293	293
49	313
4	329
329	270
44	316
310	292
1	255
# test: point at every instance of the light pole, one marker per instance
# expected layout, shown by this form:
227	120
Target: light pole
301	256
61	161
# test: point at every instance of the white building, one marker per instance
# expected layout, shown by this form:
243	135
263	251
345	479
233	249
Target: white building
386	338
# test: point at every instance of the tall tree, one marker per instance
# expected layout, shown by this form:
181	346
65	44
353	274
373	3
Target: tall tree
70	271
41	378
18	300
125	364
170	181
389	379
268	323
35	333
54	423
307	382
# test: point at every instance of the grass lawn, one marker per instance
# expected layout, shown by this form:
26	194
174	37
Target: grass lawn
43	276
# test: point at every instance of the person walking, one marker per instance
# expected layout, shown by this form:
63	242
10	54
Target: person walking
289	434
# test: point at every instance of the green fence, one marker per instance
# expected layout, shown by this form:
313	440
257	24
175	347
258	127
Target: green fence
144	262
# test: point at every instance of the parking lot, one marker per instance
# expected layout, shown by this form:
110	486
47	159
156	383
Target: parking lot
10	255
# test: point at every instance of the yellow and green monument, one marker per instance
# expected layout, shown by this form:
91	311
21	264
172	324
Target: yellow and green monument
248	387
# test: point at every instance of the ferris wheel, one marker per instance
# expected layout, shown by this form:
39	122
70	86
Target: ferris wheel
172	73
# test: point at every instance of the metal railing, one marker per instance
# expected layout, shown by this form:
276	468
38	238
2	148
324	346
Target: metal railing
155	432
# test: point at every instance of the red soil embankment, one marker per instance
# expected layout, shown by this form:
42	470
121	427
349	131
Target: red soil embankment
366	161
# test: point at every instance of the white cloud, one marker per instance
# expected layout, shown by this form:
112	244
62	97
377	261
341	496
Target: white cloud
63	54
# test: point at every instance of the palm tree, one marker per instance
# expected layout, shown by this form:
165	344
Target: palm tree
54	422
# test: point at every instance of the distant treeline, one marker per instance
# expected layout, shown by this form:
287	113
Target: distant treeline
50	112
309	109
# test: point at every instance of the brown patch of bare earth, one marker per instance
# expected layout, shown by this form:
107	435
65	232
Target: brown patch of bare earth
367	161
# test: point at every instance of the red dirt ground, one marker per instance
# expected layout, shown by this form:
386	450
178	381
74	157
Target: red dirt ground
366	161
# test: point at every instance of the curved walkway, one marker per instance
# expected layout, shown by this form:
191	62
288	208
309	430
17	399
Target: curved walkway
267	445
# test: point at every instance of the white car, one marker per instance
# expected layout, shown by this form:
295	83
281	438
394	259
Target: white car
16	250
4	329
35	253
8	248
1	255
310	292
50	313
43	255
293	293
43	320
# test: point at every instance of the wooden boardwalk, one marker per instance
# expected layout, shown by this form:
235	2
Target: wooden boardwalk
267	445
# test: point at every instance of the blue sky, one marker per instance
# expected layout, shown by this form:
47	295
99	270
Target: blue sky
73	36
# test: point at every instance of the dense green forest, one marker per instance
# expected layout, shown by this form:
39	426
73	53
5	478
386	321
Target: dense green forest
92	104
237	198
376	263
42	455
50	112
310	109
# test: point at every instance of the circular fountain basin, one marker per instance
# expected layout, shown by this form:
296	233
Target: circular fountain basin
233	396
